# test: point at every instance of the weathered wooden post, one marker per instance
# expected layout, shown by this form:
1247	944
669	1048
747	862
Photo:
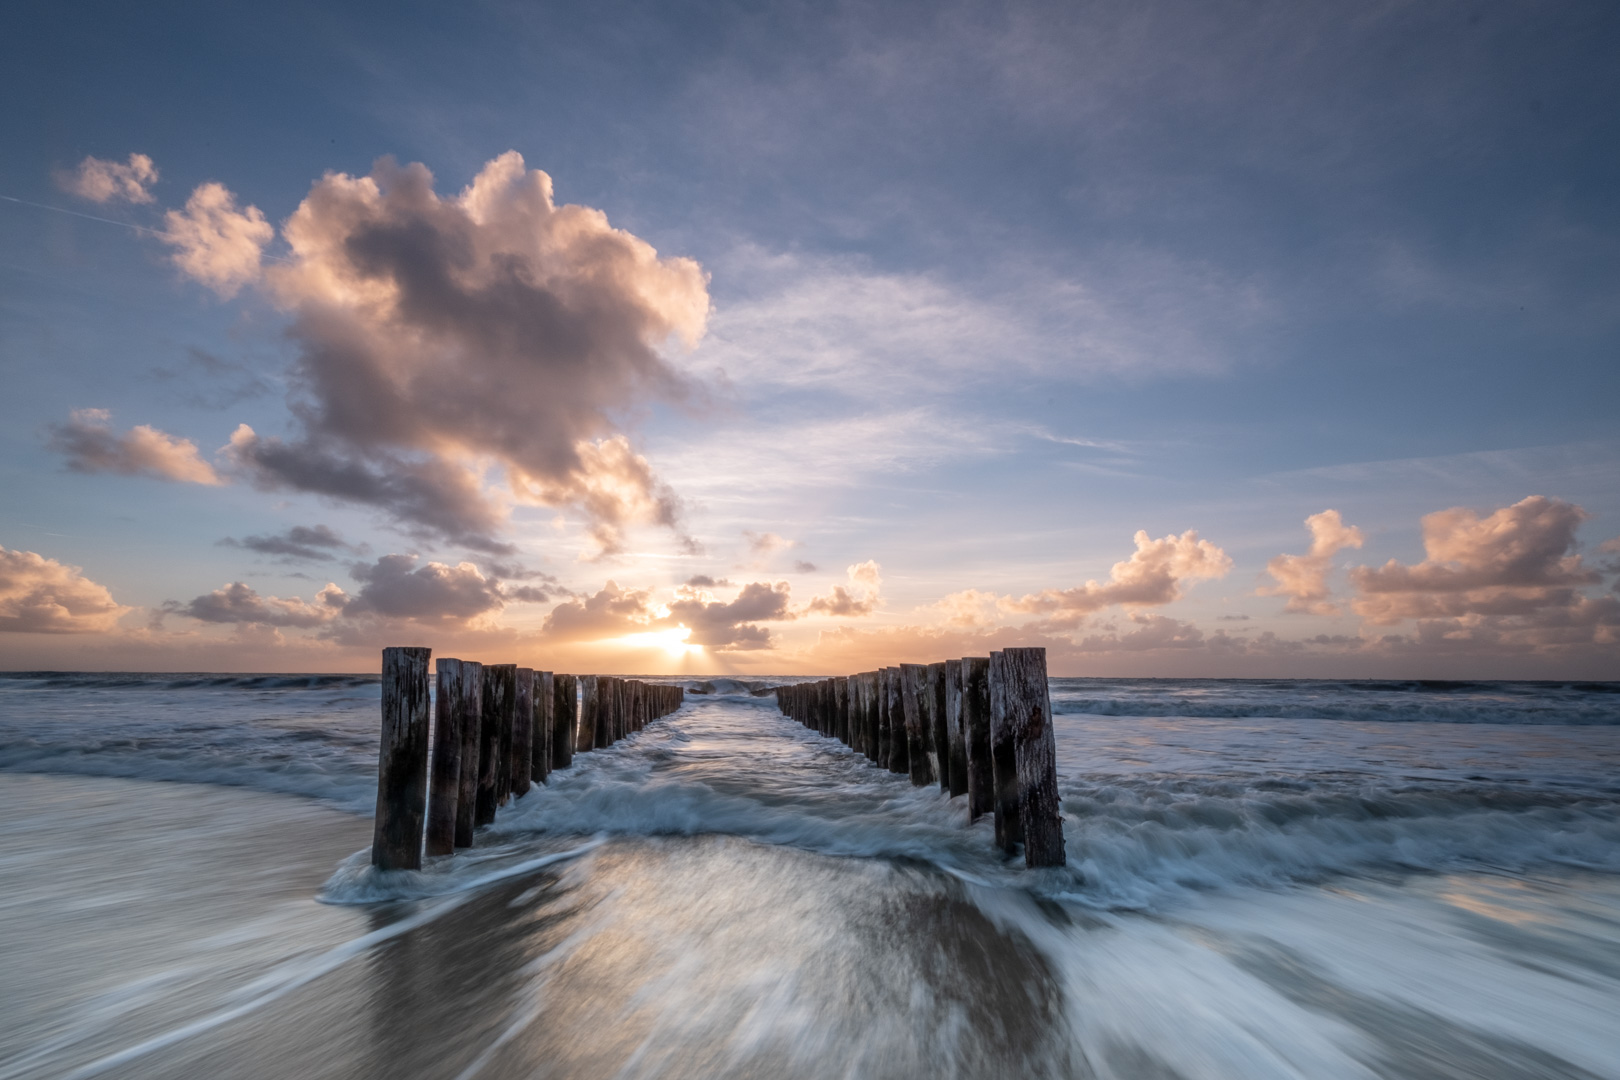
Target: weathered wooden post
589	712
545	701
913	703
955	752
899	743
938	736
500	701
472	740
1029	716
564	718
402	760
869	715
523	734
444	787
976	726
883	755
1003	759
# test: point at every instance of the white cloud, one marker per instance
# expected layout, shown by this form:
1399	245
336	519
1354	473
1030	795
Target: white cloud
109	181
215	243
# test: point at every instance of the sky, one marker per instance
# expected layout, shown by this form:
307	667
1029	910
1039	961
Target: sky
1182	339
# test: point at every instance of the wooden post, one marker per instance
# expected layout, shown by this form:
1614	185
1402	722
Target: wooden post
913	707
1003	759
1029	716
472	741
449	717
981	778
589	709
955	752
938	738
564	718
500	700
884	755
869	715
899	744
523	733
545	701
402	760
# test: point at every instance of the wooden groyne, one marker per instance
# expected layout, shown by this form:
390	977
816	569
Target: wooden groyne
495	730
979	726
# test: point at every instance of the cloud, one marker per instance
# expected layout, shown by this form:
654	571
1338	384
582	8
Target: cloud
441	336
240	603
1509	582
733	625
394	587
1153	575
215	243
42	596
90	445
108	181
1303	578
970	609
611	612
307	542
860	597
1516	560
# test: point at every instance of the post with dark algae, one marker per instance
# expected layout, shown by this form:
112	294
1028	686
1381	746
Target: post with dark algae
402	760
954	753
545	703
564	709
1029	716
521	761
589	713
472	739
981	776
444	787
500	700
1003	759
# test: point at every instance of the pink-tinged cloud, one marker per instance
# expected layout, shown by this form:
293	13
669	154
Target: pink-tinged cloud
860	597
214	242
90	445
240	603
1515	560
1303	578
394	587
111	181
610	612
1153	575
1508	582
42	596
441	335
733	625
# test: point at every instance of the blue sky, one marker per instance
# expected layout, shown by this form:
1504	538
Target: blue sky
989	288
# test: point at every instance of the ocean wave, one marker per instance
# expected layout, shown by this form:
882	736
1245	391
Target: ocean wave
1539	703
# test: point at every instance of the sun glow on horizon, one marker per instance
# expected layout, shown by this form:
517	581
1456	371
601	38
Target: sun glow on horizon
672	641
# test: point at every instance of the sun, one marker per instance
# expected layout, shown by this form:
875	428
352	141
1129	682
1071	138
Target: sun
672	641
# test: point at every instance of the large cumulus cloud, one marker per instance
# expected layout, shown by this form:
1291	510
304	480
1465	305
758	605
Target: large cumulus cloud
42	596
456	354
439	335
1510	579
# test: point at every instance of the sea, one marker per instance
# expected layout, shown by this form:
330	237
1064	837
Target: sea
1307	879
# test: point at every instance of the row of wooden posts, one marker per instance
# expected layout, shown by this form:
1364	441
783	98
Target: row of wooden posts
979	726
496	729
